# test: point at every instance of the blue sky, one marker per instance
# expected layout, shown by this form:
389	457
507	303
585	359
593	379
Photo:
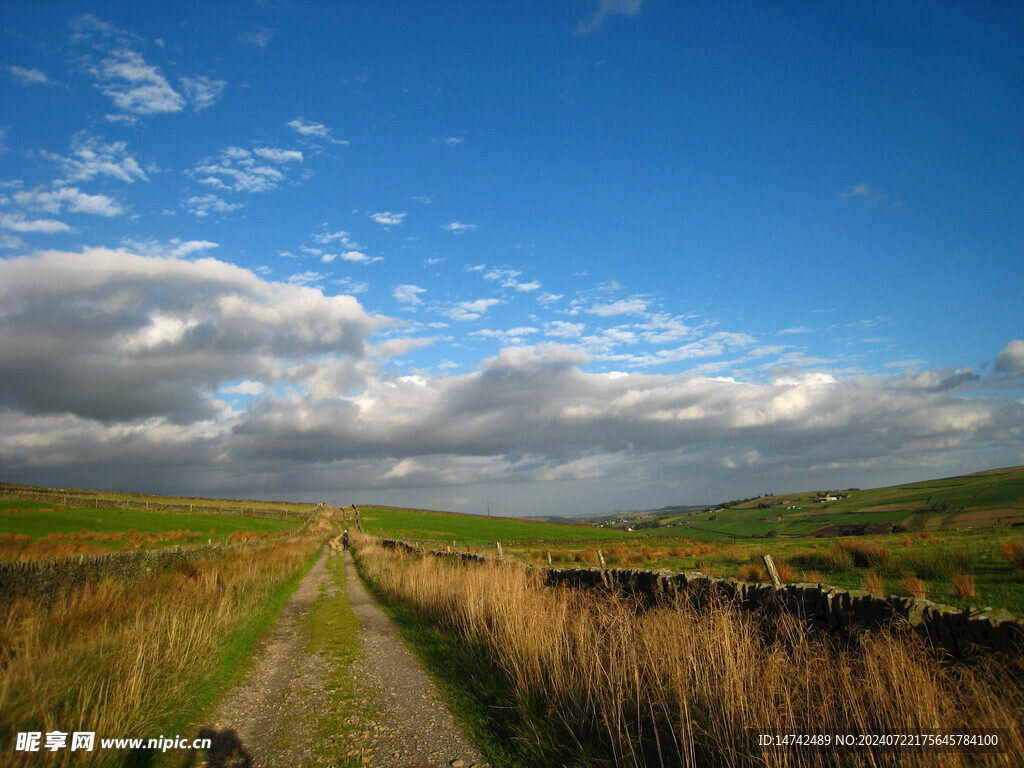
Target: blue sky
559	257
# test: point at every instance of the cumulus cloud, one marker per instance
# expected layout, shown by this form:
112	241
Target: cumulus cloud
459	227
202	206
387	218
630	306
513	336
563	329
1011	358
408	295
134	85
509	279
17	222
109	358
116	336
471	310
279	155
535	401
202	92
355	257
72	198
91	158
238	170
939	380
313	130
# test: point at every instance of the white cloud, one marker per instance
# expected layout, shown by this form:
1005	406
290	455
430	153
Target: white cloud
246	387
116	336
1011	358
606	8
400	346
329	237
279	155
70	197
508	336
310	129
110	362
175	248
453	141
387	218
237	170
630	306
29	76
91	158
507	278
563	330
307	278
355	257
458	227
202	92
134	85
409	295
205	205
471	310
547	299
16	222
348	285
10	242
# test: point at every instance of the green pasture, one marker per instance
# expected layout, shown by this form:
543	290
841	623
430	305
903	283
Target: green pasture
38	519
936	558
420	525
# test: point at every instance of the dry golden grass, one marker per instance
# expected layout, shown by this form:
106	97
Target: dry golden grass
123	657
874	583
963	584
914	586
681	686
811	577
786	571
750	572
1014	553
61	544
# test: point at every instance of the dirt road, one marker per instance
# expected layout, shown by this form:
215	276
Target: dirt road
274	717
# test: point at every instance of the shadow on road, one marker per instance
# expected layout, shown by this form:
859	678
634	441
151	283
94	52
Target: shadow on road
226	751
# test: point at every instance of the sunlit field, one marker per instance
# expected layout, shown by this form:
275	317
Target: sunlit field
139	657
588	680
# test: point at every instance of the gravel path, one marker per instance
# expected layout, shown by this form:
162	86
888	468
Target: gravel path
259	722
412	728
267	720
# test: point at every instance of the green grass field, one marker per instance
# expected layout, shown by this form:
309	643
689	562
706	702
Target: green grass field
961	568
39	529
475	530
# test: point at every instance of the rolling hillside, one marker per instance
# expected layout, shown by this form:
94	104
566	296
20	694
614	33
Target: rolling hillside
979	500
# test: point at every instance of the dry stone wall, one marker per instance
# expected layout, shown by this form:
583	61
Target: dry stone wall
44	578
959	631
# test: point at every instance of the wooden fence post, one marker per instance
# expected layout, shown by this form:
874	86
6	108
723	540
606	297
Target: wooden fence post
773	574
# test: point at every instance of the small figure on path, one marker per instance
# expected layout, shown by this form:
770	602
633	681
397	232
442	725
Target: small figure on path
344	539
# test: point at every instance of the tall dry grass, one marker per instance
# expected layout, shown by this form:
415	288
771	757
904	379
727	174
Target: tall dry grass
611	683
127	658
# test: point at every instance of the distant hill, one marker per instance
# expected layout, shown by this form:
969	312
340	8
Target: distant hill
978	500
